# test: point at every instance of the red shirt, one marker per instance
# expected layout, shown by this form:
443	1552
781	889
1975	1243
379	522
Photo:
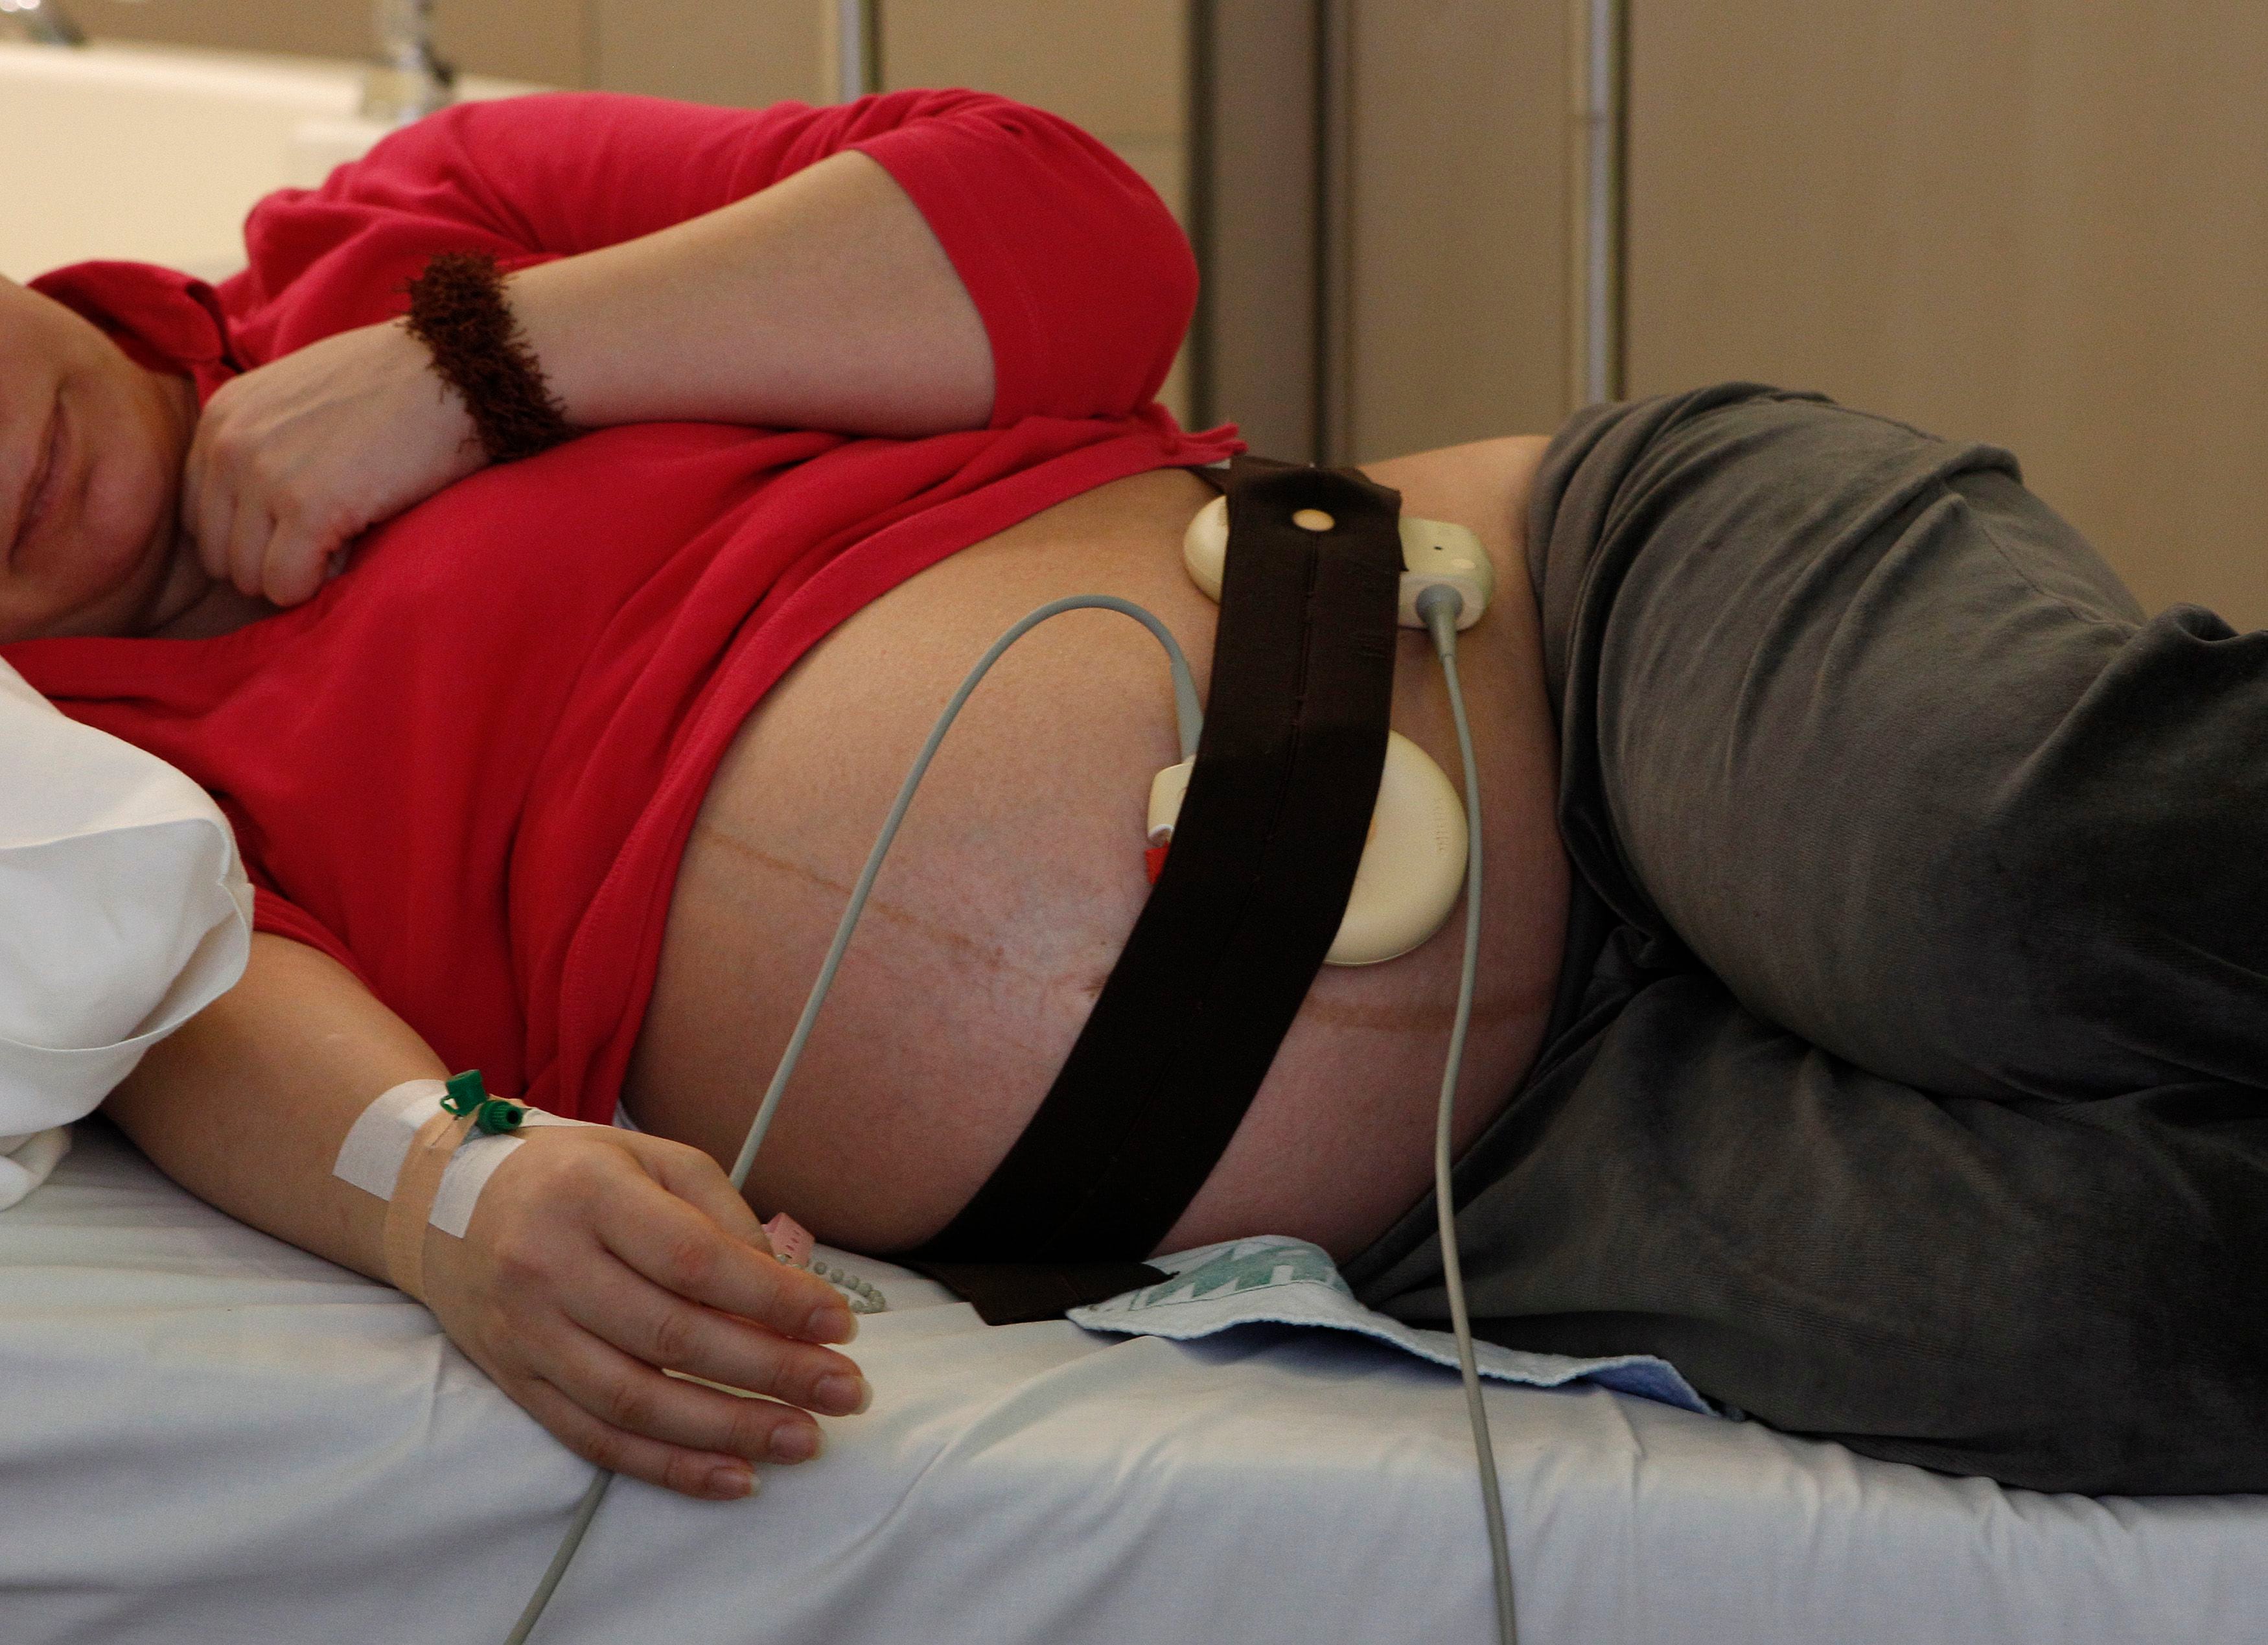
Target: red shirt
467	768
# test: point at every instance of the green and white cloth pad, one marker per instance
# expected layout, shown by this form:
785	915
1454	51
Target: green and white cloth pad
1274	1280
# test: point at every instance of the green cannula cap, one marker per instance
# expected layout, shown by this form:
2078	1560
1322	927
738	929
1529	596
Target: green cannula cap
464	1092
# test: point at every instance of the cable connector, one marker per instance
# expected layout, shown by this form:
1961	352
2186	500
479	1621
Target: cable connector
1438	607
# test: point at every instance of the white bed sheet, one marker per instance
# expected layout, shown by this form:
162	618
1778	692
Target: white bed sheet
206	1435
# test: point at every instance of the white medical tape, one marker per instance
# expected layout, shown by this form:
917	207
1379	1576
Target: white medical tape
379	1140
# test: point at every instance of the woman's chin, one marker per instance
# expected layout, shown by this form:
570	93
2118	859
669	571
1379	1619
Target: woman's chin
113	568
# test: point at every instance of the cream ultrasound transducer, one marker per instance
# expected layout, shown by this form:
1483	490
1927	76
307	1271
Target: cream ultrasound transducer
1266	863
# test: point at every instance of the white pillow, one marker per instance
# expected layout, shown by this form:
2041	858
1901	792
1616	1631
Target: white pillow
123	912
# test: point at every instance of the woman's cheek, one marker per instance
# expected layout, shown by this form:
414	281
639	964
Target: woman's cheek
110	553
129	515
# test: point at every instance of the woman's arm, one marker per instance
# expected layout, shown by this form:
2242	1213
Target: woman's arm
1083	281
968	260
824	302
594	1257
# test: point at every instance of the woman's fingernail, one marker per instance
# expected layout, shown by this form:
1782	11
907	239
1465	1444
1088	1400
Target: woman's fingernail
732	1482
844	1394
831	1322
794	1443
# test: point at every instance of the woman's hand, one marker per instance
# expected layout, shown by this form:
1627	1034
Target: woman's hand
294	459
598	1257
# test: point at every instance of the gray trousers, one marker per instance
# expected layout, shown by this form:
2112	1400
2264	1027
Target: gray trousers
1908	1082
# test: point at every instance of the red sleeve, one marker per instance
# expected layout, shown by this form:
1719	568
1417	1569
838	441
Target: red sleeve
1084	282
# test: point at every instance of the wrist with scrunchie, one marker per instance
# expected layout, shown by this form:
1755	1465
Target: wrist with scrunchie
457	310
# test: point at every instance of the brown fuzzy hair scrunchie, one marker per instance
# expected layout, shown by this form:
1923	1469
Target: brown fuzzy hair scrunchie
457	310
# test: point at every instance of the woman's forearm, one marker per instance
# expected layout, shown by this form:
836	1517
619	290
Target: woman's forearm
822	302
246	1106
596	1262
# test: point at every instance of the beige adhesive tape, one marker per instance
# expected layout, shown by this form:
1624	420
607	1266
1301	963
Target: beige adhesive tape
413	1197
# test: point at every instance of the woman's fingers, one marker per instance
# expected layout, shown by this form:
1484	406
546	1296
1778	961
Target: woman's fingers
717	1475
309	450
696	1178
188	507
296	564
250	528
638	1318
196	499
682	1248
214	496
625	1390
581	1268
214	514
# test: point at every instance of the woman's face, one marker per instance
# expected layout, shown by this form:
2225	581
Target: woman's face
91	450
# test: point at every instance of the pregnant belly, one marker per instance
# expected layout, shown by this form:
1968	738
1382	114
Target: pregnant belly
1018	873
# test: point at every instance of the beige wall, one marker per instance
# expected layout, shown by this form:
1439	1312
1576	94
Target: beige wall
2032	221
746	53
545	40
710	51
1119	70
321	31
1458	201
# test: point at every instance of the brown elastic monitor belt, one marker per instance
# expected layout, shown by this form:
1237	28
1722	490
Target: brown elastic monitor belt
1251	895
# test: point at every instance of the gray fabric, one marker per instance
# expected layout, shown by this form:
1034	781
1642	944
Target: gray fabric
1905	1082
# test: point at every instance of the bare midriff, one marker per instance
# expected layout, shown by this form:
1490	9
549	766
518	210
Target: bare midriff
1018	873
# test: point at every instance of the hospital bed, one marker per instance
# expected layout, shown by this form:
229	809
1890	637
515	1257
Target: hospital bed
213	1436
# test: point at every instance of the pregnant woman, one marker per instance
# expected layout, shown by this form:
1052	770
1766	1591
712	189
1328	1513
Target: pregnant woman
557	757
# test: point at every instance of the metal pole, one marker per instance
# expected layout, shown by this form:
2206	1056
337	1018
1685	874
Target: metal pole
45	22
1203	157
1598	58
409	82
857	48
1334	232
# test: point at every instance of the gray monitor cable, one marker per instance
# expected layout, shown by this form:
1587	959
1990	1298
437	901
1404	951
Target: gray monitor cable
1438	607
1188	722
